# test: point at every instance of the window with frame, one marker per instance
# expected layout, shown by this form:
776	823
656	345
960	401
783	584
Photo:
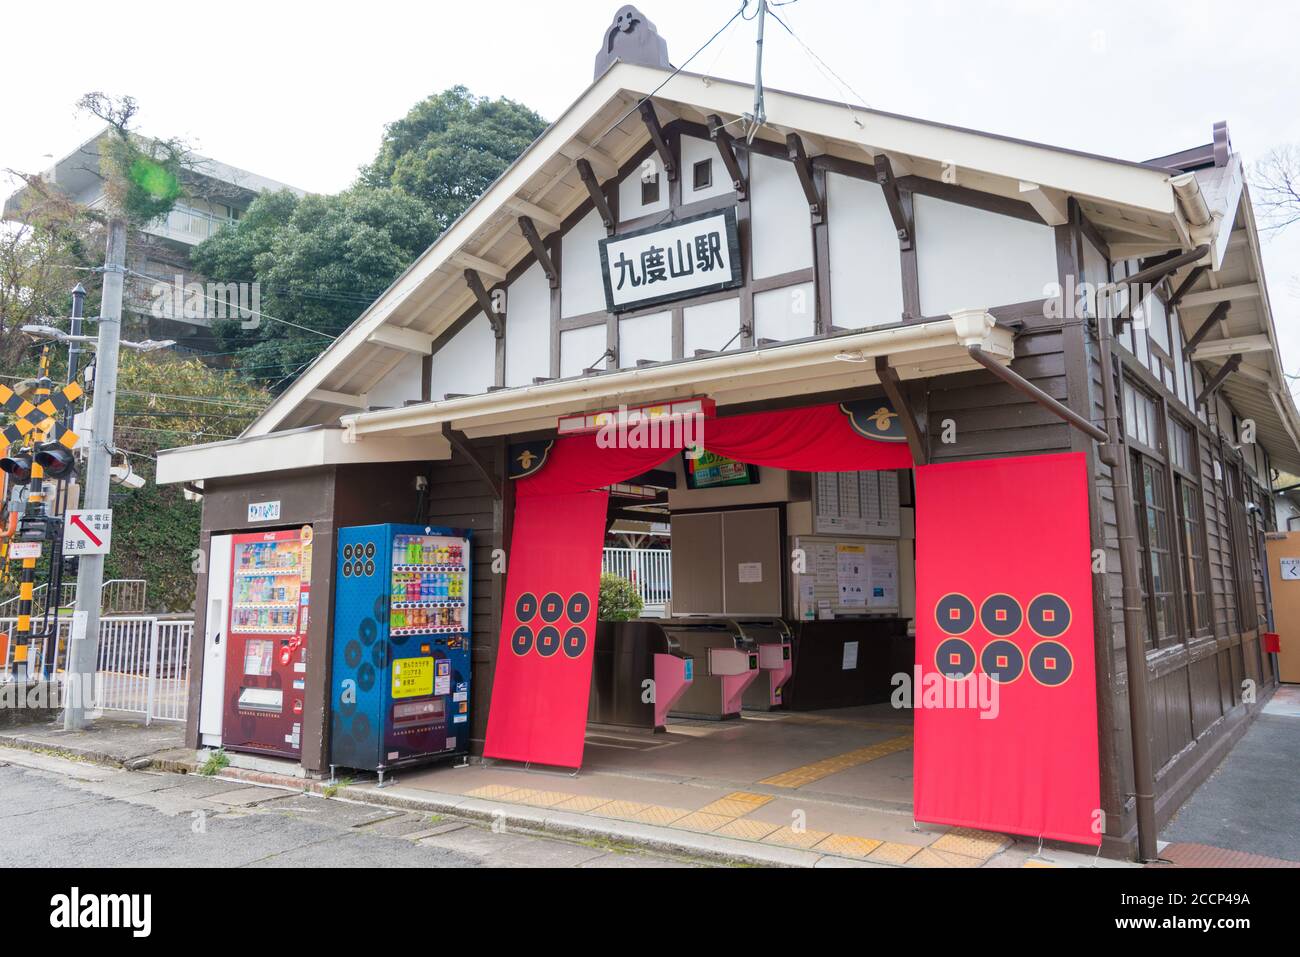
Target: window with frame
1159	585
1191	524
650	189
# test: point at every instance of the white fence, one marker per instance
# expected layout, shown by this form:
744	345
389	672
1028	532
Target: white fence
650	570
143	663
117	596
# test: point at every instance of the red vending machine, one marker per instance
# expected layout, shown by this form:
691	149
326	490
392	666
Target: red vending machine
266	659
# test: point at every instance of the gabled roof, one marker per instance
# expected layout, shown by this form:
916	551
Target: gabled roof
603	127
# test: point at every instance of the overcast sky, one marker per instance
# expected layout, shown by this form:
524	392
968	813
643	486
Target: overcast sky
300	92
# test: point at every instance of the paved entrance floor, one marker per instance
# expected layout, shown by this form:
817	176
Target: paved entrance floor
837	783
1247	814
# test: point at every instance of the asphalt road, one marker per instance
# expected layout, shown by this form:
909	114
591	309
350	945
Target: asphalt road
59	813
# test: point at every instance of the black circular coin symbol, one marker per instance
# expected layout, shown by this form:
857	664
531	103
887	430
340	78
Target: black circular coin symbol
548	641
377	655
579	607
347	569
367	631
380	609
1002	661
1050	663
552	608
575	642
1001	615
370	549
1049	616
370	568
955	614
347	551
954	658
352	653
525	607
521	642
366	677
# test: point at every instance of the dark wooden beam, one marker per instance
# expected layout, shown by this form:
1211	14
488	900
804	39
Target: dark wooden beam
458	441
1219	313
803	169
885	177
1186	285
496	319
596	193
657	138
1228	368
1051	404
539	250
656	478
893	387
727	150
622	514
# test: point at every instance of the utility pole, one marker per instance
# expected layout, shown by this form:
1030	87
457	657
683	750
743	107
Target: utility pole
760	110
83	653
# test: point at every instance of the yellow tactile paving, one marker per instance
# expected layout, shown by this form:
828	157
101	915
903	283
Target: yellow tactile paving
928	857
891	853
659	814
798	777
792	838
971	843
699	821
847	845
736	804
493	792
624	810
581	803
541	798
747	829
1032	863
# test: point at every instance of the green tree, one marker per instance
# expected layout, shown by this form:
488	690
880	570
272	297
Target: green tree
451	147
319	261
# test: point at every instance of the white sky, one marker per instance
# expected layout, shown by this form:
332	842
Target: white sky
300	92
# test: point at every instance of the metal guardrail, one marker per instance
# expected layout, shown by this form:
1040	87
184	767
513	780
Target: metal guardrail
143	663
650	570
118	596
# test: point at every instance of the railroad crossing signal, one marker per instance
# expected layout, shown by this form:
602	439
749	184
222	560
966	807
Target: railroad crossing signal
44	416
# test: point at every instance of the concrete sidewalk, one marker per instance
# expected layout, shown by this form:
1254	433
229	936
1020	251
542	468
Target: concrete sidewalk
1247	814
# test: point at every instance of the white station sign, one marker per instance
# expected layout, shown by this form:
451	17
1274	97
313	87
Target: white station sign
689	257
88	531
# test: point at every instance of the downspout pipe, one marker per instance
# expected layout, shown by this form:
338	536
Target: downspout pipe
1139	704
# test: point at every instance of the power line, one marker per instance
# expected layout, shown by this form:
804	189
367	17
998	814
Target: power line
822	65
251	312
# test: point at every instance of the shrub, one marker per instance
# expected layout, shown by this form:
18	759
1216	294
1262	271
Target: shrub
618	599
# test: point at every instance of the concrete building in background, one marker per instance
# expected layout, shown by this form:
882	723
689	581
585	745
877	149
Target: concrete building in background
215	194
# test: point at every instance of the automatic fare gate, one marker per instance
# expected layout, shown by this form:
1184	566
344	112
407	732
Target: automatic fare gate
1003	598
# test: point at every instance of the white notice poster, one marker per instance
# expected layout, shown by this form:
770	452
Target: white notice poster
851	571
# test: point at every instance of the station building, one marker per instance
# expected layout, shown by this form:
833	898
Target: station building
960	394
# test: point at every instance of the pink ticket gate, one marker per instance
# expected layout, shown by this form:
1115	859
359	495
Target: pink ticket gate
775	661
726	663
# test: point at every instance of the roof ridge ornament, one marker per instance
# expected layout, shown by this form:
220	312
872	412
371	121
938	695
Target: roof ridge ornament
631	38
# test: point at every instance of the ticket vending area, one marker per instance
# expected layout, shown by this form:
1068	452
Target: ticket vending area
401	670
266	642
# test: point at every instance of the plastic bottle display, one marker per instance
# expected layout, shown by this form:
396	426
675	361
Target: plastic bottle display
428	585
266	588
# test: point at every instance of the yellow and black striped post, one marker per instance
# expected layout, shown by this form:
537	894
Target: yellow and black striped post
35	506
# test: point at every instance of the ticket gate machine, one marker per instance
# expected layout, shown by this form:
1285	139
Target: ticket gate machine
775	660
627	655
726	664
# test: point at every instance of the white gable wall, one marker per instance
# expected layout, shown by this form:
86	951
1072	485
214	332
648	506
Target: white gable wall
971	259
785	313
528	327
582	290
695	150
865	265
579	349
645	337
399	386
780	226
711	326
629	190
466	363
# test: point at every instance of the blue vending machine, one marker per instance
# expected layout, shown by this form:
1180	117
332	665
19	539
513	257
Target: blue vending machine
401	646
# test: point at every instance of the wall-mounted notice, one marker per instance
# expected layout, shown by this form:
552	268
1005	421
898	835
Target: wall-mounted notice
882	565
848	577
851	575
856	503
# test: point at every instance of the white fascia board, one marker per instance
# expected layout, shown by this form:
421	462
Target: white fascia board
776	364
1220	348
298	449
1095	177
